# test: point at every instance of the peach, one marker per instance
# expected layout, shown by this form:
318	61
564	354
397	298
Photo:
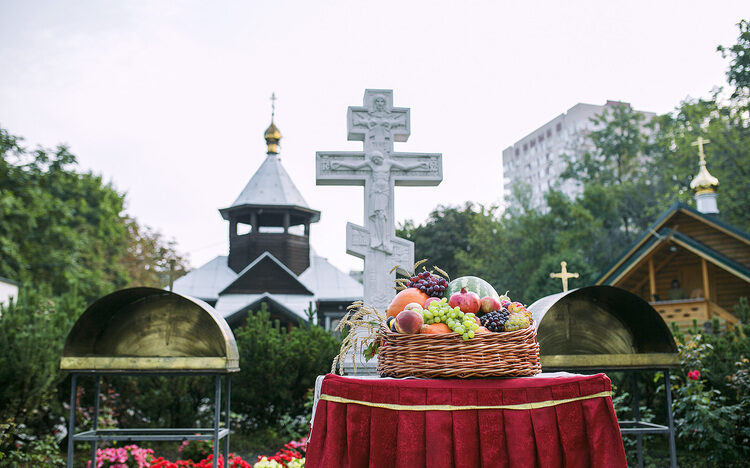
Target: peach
409	321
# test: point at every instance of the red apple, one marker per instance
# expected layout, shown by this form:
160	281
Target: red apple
488	304
409	321
429	300
465	300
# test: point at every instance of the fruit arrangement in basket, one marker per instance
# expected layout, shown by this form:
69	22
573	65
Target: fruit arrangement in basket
467	306
435	327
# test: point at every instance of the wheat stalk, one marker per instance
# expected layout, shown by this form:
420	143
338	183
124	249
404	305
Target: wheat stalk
358	318
364	322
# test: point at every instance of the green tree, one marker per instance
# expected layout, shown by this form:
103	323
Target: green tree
58	227
617	169
65	238
150	259
278	367
67	230
738	74
727	156
444	234
32	333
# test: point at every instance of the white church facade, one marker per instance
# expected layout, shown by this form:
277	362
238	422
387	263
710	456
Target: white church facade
270	259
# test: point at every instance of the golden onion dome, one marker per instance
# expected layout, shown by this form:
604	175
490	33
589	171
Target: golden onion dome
704	182
273	137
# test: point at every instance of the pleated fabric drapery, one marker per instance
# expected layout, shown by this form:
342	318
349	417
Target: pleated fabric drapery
543	421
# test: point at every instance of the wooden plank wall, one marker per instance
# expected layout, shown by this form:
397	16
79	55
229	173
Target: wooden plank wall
712	237
727	288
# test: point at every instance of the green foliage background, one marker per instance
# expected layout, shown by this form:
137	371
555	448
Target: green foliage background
65	237
278	367
633	173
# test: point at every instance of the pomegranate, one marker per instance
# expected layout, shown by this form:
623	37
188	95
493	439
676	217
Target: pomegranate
467	301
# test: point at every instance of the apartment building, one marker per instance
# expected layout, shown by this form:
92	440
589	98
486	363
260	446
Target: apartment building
538	159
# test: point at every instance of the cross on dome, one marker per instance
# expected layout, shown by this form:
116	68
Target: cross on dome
704	182
272	134
699	143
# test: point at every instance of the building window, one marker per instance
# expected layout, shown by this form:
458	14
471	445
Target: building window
243	229
271	229
558	127
524	147
549	133
532	143
517	151
541	138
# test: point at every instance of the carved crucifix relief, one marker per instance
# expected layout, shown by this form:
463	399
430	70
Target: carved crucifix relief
378	125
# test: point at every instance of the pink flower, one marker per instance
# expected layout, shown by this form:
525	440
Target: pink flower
694	375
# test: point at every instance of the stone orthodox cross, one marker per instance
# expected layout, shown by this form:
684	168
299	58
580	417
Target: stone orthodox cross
378	168
564	275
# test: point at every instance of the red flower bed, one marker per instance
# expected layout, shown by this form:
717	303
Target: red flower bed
235	461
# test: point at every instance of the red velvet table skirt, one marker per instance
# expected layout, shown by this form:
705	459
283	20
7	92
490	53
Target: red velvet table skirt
543	421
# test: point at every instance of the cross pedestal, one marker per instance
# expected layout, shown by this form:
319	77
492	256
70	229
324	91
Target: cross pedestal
378	168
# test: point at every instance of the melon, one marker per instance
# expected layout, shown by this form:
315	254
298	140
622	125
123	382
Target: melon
473	284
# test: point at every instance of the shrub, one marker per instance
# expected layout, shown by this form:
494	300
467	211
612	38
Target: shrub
278	367
710	421
32	334
195	449
159	401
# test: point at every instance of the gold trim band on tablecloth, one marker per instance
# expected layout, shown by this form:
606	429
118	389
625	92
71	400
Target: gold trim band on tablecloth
521	406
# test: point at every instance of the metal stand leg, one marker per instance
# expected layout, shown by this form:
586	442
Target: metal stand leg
217	411
226	415
71	420
637	418
95	425
672	448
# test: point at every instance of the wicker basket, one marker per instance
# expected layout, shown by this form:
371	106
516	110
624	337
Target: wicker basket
508	354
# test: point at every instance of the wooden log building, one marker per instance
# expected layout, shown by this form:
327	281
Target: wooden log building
689	264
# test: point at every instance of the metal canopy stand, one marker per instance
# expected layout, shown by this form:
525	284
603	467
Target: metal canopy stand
622	333
638	427
147	331
95	435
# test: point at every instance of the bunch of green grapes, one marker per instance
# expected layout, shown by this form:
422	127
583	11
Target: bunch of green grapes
459	322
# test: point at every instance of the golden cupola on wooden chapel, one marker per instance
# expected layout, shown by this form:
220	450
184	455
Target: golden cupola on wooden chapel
689	264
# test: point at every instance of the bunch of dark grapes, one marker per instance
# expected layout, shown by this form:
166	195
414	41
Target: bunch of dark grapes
495	321
432	285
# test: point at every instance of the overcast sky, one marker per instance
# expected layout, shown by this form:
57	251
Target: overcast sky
168	101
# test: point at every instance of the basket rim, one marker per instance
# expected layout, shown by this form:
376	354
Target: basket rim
490	334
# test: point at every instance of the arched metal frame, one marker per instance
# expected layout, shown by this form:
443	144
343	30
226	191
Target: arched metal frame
603	328
147	331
